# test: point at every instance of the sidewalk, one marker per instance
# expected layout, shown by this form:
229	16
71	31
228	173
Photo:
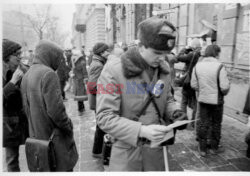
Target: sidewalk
183	155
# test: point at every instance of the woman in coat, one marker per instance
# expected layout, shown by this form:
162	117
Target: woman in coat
80	73
15	124
209	79
44	106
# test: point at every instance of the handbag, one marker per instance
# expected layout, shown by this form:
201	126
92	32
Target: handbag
40	154
186	78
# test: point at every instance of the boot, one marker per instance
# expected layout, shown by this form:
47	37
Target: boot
216	148
202	147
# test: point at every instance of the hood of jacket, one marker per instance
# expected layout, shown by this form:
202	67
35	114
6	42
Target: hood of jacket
133	64
49	54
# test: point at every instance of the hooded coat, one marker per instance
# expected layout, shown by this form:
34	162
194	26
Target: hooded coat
117	111
44	105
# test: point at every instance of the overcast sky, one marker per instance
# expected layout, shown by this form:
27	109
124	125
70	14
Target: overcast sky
63	11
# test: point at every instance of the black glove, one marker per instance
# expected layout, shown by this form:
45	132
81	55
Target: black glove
179	115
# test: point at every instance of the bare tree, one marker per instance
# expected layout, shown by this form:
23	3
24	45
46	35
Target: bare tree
40	20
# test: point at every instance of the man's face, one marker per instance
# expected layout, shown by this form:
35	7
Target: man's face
151	56
14	60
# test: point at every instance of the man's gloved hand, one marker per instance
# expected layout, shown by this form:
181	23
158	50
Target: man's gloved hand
179	115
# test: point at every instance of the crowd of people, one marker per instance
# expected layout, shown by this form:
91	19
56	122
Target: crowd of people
129	111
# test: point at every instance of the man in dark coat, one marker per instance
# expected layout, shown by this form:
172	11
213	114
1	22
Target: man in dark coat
15	124
100	56
44	104
63	74
190	57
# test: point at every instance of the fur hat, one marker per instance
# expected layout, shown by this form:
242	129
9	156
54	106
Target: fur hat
9	47
157	33
99	48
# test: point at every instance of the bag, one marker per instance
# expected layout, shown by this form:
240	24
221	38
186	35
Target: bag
40	154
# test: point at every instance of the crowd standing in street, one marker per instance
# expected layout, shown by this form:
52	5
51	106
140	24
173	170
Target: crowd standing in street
130	89
15	124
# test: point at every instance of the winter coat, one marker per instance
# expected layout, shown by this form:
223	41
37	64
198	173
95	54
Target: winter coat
80	72
204	80
15	124
63	72
95	70
44	105
117	109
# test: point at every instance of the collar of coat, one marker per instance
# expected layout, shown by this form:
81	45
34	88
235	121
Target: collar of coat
209	59
133	64
99	59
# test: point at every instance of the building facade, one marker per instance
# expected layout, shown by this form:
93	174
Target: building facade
88	25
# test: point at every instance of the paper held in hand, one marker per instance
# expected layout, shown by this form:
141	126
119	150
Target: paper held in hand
170	134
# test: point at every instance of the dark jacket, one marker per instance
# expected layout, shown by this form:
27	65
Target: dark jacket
15	124
63	72
95	70
246	109
80	73
186	57
44	105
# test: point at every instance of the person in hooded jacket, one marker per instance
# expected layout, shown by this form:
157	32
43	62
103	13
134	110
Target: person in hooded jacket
125	80
44	106
101	53
15	124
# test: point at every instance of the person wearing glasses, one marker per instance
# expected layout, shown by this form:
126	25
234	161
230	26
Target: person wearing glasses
15	124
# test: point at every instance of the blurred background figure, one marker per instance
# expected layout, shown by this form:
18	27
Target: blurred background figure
30	57
63	74
189	55
79	74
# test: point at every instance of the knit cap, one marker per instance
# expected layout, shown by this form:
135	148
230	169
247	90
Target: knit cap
100	47
9	47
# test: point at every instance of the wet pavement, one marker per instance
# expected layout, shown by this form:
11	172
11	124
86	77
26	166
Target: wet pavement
183	155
